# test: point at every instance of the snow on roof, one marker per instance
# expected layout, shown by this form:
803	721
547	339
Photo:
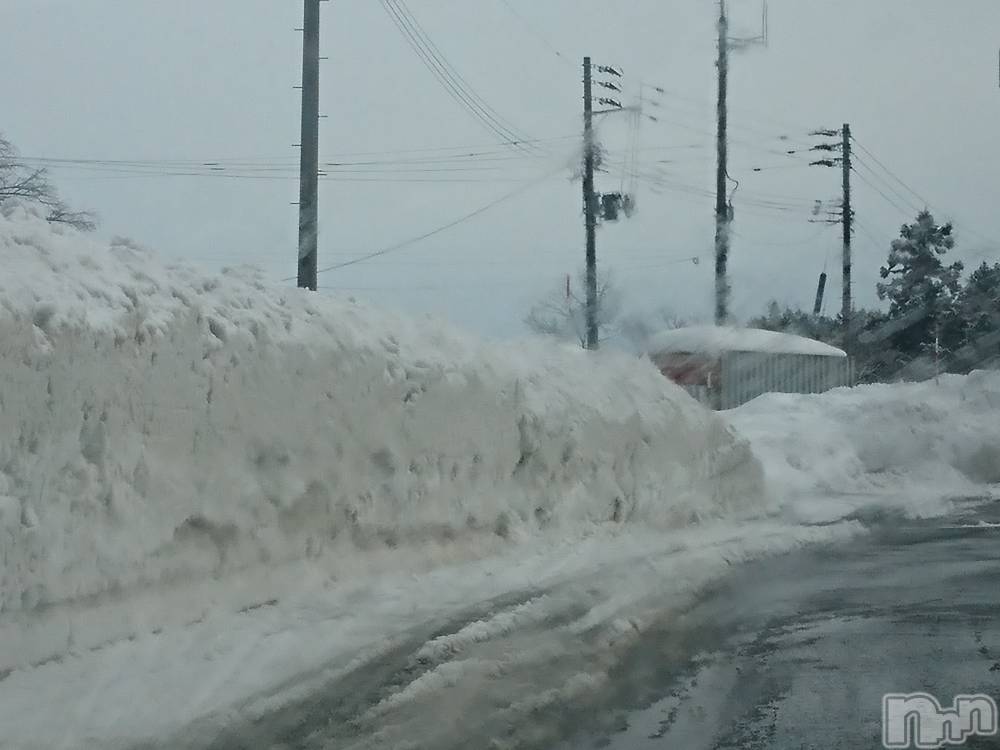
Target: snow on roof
715	340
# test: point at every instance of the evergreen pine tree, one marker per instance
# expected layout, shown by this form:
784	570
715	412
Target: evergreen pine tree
979	311
922	291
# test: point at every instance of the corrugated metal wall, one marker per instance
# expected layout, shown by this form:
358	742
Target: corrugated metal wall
746	375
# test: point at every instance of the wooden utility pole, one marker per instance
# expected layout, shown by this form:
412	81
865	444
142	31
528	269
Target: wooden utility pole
847	307
309	163
722	216
589	206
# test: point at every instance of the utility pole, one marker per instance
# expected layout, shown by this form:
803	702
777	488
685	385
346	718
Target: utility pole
722	214
610	204
723	207
847	307
820	289
309	164
589	206
846	216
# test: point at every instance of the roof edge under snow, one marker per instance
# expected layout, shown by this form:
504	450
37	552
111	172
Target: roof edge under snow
715	340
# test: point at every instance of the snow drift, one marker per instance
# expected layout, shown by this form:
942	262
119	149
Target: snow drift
907	445
160	425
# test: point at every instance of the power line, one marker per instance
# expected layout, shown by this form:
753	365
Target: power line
908	202
373	177
865	230
758	200
757	132
890	201
469	169
666	263
787	154
525	141
454	83
808	240
536	33
477	154
440	71
438	230
890	172
454	73
703	105
924	201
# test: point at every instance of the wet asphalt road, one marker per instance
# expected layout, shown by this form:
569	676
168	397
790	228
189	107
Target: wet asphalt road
791	653
796	653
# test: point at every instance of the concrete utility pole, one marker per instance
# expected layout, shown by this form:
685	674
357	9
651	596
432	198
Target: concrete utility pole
846	213
309	164
820	289
722	216
723	209
589	207
846	310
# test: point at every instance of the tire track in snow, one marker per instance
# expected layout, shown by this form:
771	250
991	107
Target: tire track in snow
337	708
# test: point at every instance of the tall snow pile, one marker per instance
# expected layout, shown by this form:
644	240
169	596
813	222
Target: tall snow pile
905	445
163	426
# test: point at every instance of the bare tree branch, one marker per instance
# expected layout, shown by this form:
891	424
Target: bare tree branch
85	221
20	182
563	315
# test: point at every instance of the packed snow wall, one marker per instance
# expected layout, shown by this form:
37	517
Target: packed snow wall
160	425
919	443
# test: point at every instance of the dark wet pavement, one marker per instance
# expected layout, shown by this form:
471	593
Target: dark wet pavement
797	652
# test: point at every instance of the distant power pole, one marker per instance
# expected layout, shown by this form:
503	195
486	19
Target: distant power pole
309	164
589	205
722	214
846	216
846	309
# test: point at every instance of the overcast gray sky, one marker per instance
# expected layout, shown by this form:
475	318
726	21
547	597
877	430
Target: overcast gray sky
212	80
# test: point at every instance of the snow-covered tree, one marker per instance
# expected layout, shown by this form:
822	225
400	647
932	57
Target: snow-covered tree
979	300
979	310
922	291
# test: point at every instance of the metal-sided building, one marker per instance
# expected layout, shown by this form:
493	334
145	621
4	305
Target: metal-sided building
725	367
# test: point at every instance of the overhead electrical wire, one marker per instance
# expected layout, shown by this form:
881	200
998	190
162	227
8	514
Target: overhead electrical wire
397	176
992	241
788	153
704	104
870	234
908	202
748	198
536	33
490	152
481	162
805	241
452	81
524	187
889	171
480	146
905	211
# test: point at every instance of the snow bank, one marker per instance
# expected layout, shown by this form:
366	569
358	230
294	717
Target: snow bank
910	445
163	427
